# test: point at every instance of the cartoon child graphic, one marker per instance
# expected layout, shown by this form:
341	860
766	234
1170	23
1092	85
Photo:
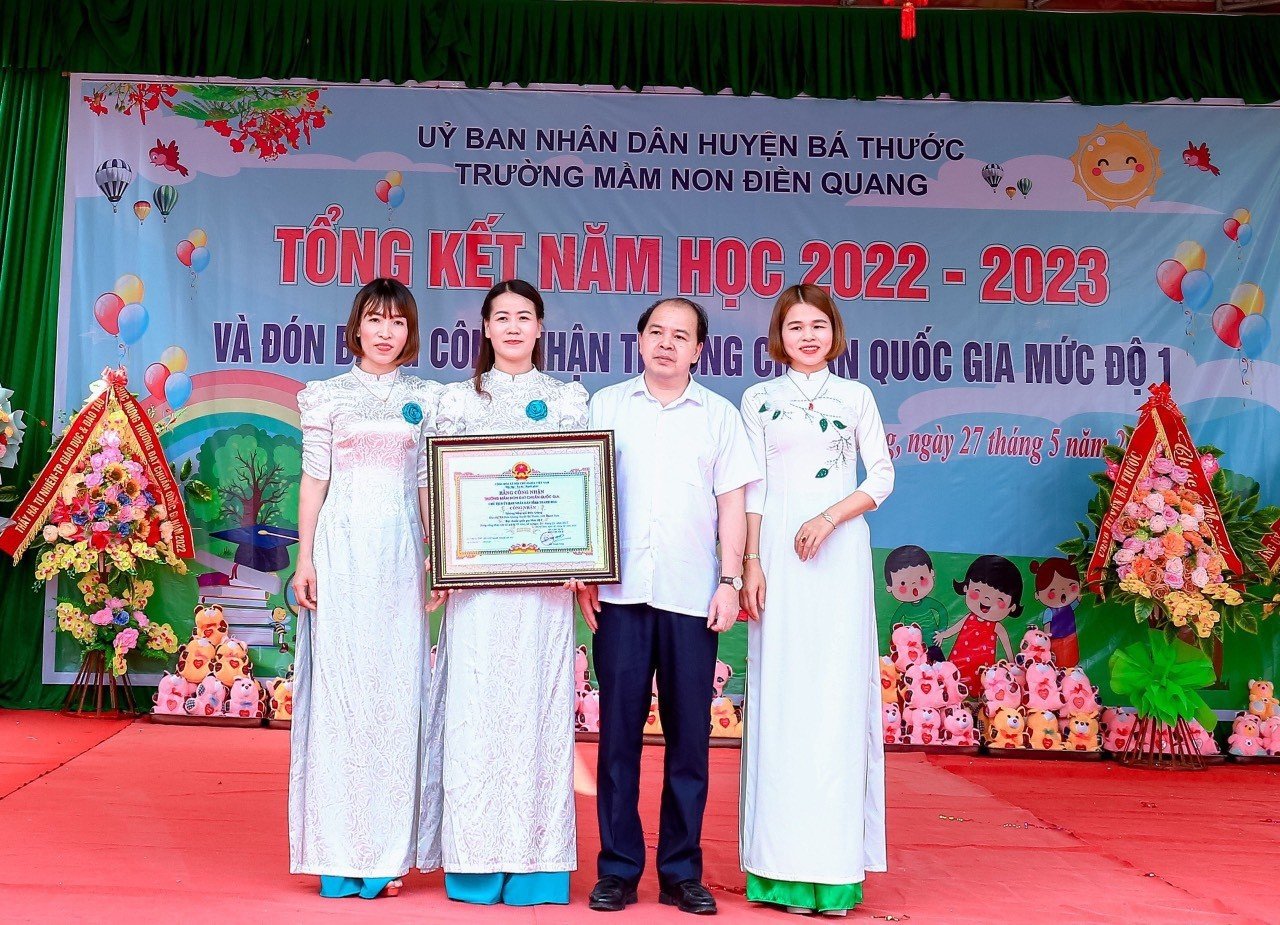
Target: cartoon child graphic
992	592
909	576
1058	588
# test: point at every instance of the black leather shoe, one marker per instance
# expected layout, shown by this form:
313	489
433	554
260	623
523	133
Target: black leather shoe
611	894
689	896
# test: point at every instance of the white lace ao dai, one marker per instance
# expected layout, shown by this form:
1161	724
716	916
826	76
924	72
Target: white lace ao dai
498	773
353	775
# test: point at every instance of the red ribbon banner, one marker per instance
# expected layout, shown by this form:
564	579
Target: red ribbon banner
75	443
1159	423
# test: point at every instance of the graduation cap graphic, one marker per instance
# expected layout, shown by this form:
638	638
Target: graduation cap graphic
260	546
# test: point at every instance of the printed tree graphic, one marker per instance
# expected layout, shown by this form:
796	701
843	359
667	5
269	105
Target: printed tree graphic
254	476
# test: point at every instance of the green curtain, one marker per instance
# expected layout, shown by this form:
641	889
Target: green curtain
33	139
775	51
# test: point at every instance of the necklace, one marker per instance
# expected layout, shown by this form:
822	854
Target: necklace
358	375
807	397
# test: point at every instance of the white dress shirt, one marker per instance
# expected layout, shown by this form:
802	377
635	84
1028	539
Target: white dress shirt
672	463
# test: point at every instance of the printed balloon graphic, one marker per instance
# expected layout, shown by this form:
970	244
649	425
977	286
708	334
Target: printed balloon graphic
154	378
1226	324
1169	277
992	174
193	252
133	323
1024	187
1238	227
1011	191
106	311
129	288
177	389
1197	286
165	198
390	190
1255	335
1248	298
113	178
1191	255
174	359
142	209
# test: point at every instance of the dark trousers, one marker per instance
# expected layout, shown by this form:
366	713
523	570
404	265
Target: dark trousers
632	641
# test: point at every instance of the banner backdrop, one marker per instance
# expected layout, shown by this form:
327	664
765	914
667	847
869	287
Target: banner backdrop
1012	278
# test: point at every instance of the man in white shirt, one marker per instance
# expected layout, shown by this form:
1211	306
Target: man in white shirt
683	464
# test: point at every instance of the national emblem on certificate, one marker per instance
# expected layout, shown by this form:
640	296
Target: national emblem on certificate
523	509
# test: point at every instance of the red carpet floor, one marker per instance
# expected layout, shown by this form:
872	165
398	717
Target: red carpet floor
101	822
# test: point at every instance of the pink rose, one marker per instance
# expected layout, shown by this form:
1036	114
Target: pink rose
1154	550
1188	523
115	603
100	526
1154	503
102	617
1145	485
1162	465
143	620
1179	475
1157	523
1197	511
1124	556
1200	578
1113	470
113	456
1203	558
1124	571
133	468
93	480
109	438
1133	543
125	640
1173	581
137	513
1173	567
1163	484
97	461
1134	509
1117	534
1209	463
50	533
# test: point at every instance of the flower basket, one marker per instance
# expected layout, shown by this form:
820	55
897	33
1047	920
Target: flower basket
1182	541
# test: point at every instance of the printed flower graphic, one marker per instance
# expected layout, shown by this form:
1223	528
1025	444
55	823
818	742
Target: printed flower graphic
536	410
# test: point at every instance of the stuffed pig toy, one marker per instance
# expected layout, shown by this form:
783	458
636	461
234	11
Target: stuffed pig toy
172	693
208	699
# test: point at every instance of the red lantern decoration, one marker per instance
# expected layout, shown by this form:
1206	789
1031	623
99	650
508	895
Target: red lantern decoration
908	22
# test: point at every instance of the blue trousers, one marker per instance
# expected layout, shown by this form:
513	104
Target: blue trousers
632	641
535	889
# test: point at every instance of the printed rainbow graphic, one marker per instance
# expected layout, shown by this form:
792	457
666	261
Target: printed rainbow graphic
229	398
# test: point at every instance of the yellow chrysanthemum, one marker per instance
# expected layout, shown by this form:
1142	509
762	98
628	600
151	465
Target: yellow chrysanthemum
1135	586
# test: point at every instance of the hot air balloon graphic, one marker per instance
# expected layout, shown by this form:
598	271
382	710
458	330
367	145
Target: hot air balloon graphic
992	174
142	209
165	198
1024	187
113	178
1011	191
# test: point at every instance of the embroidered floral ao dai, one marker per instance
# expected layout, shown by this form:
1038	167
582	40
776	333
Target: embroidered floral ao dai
359	666
498	779
813	766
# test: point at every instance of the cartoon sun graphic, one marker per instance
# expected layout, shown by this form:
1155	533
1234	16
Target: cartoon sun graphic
1116	165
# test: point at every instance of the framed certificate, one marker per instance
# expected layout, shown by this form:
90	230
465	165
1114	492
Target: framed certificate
515	510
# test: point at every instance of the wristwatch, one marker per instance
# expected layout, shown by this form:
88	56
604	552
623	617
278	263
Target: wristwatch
735	583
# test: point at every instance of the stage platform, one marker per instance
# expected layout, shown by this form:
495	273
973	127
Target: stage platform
132	822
